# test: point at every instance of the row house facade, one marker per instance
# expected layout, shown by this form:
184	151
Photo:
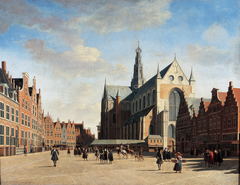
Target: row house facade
21	114
212	123
59	134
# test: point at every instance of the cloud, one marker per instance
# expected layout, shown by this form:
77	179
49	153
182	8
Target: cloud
114	16
80	61
207	55
215	34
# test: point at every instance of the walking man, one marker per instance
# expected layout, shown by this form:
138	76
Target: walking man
159	159
54	154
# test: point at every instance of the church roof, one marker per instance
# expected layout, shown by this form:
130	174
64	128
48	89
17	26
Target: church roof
125	91
150	83
136	117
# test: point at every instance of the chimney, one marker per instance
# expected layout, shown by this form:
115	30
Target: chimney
4	66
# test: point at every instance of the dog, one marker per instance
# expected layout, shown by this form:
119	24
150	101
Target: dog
140	157
136	157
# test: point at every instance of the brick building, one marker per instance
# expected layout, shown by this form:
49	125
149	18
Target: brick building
83	136
212	123
21	114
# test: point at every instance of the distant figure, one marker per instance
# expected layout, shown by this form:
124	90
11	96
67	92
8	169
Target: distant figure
215	155
140	151
228	153
220	158
168	155
96	153
165	154
54	154
79	152
75	151
30	148
68	151
210	159
196	152
85	155
25	150
105	155
206	155
159	159
110	155
192	152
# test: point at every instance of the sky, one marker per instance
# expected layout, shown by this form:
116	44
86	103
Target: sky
72	46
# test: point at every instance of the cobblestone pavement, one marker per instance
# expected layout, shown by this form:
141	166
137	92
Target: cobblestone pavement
38	169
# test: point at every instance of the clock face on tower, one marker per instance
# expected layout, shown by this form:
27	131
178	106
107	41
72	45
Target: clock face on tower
135	86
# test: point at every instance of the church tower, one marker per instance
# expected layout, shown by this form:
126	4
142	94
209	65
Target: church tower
138	79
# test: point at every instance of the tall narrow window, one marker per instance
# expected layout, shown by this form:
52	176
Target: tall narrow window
22	119
7	135
114	118
144	105
16	116
12	137
2	110
33	109
23	103
12	114
136	106
28	121
174	101
154	97
1	134
140	104
7	112
149	99
133	108
26	104
25	119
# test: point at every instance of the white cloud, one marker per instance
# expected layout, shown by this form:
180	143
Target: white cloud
80	61
215	34
114	16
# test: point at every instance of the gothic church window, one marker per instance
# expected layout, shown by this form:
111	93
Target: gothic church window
174	101
114	118
140	106
154	96
133	108
136	106
151	129
149	98
143	101
171	131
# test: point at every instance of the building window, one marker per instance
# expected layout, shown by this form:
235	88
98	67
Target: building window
151	141
12	137
7	135
136	106
47	133
34	97
218	123
214	109
140	104
2	110
199	125
12	114
16	116
6	91
29	107
214	123
48	142
234	122
232	109
28	121
23	102
225	124
154	97
7	112
229	123
15	97
1	134
51	142
174	101
47	126
210	124
25	119
26	104
51	133
226	111
133	107
149	99
33	109
144	101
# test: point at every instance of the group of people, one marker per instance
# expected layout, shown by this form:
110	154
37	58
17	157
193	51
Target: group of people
213	157
79	152
104	155
166	155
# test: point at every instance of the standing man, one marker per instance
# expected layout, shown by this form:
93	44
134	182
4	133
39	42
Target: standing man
25	150
54	154
159	159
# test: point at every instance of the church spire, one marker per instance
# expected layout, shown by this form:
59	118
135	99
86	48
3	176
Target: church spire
191	76
138	79
105	93
158	73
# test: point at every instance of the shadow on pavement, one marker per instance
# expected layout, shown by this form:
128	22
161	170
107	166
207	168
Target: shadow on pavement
44	166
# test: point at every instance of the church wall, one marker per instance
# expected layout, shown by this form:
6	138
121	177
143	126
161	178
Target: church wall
166	90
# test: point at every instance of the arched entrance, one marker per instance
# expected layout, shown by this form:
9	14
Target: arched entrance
151	130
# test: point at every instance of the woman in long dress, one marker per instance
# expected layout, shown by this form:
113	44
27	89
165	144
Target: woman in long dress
110	155
178	162
159	159
85	155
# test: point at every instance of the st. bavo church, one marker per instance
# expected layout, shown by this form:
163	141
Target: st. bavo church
145	110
